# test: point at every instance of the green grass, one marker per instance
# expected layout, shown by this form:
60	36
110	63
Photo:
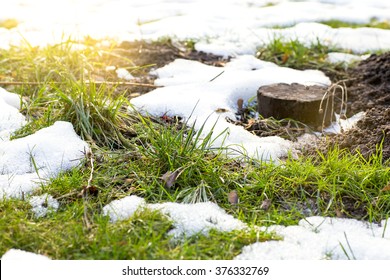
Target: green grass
334	23
63	236
139	155
373	23
295	54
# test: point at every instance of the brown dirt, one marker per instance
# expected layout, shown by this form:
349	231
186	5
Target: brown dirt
372	132
371	87
369	91
142	57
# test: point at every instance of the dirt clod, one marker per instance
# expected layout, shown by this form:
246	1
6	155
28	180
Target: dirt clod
368	91
371	85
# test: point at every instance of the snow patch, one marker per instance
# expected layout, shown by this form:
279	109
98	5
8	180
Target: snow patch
345	58
188	219
10	98
20	255
342	125
43	204
124	74
317	238
27	162
191	219
123	208
10	118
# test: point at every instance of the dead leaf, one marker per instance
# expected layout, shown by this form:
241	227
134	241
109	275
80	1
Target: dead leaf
128	181
386	189
89	190
250	123
265	204
233	197
170	177
285	57
339	214
221	110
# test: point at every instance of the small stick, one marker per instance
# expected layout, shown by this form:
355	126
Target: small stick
89	155
15	83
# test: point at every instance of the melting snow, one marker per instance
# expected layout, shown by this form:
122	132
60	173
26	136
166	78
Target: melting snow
10	118
43	204
346	58
188	219
20	255
123	208
341	125
124	74
239	28
27	162
317	238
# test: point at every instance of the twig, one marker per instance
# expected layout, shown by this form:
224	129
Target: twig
329	97
90	157
16	83
217	76
67	195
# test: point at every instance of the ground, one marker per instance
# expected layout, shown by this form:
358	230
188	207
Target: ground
337	185
369	91
367	83
157	54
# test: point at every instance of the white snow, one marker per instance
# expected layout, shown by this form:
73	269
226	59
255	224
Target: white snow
10	98
226	27
123	208
27	162
346	58
188	219
10	118
124	74
341	125
43	204
21	255
317	238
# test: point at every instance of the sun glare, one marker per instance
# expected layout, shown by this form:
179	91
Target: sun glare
44	21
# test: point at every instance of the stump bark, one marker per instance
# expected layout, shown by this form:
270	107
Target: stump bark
295	101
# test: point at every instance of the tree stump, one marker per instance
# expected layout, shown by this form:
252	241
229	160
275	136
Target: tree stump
295	101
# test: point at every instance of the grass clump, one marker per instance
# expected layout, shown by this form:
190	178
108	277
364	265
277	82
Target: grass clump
57	84
98	115
295	54
184	158
337	184
373	23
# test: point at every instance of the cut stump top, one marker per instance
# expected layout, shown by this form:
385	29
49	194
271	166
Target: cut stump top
295	101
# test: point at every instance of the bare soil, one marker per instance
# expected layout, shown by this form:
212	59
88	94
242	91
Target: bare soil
370	84
146	56
368	91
